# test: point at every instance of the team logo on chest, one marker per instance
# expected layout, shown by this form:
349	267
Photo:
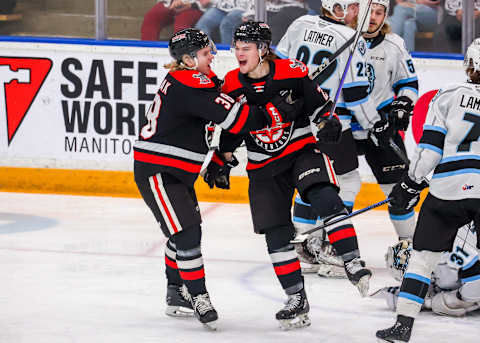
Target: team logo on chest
273	138
371	77
202	78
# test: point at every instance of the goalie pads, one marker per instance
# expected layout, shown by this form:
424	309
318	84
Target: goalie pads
397	258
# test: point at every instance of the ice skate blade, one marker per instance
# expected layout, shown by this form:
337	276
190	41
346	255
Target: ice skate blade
212	326
296	323
363	285
389	341
178	312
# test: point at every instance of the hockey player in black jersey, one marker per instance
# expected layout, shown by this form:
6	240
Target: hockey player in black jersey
450	147
282	158
169	153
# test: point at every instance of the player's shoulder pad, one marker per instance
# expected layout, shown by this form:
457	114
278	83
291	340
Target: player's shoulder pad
231	81
306	19
289	69
396	40
193	79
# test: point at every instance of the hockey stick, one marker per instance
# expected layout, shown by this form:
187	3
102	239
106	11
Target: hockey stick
325	64
302	237
396	149
350	56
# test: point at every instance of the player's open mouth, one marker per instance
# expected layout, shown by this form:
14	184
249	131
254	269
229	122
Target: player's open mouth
242	63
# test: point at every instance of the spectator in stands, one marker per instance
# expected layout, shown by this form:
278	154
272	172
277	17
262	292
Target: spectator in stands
181	13
448	35
225	16
280	14
412	16
314	7
7	6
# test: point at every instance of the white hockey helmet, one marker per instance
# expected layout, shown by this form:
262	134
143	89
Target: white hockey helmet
329	5
385	3
472	56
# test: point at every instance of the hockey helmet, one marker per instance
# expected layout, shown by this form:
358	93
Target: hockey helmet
188	42
329	5
472	56
253	32
385	3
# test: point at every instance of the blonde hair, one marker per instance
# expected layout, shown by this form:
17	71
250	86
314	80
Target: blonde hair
386	28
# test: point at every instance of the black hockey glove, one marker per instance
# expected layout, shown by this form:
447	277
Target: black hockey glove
400	112
406	193
283	109
329	129
218	171
380	133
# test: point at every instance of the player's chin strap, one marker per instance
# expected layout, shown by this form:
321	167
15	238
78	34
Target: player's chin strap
302	237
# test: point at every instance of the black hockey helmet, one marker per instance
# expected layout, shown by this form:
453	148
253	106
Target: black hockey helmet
253	32
188	42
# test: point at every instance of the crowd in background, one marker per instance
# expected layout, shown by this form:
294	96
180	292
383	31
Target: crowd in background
425	25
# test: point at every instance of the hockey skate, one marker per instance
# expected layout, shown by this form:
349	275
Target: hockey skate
358	275
450	304
204	311
178	302
400	332
295	313
307	255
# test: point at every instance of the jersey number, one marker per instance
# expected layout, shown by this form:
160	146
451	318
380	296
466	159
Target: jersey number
410	66
473	134
149	129
303	54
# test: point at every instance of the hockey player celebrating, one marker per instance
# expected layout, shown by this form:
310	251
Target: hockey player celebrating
321	37
281	159
450	147
168	156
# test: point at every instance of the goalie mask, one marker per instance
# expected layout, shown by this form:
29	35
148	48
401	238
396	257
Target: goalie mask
472	56
188	42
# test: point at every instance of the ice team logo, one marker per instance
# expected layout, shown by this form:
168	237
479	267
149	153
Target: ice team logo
202	78
467	187
21	78
273	138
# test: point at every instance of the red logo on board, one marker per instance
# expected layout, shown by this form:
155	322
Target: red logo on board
21	78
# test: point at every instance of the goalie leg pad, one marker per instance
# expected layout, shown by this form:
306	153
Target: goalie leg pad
470	277
416	282
451	304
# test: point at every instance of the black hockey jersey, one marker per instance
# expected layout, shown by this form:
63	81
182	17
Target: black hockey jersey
176	131
271	149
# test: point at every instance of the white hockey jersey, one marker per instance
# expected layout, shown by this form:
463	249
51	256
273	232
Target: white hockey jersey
450	144
390	72
311	39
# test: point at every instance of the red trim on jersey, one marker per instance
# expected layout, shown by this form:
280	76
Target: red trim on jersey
192	78
231	81
287	268
288	150
216	159
242	118
342	234
289	69
170	263
332	171
164	205
195	275
166	161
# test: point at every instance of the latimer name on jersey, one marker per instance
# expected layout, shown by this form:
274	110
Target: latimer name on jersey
318	37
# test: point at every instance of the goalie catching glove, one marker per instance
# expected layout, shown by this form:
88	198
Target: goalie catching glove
400	112
406	193
218	171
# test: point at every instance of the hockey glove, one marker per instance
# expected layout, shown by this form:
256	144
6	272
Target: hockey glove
380	133
329	129
283	109
406	193
218	171
400	112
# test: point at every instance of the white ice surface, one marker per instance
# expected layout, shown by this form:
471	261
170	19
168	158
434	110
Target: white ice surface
90	269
